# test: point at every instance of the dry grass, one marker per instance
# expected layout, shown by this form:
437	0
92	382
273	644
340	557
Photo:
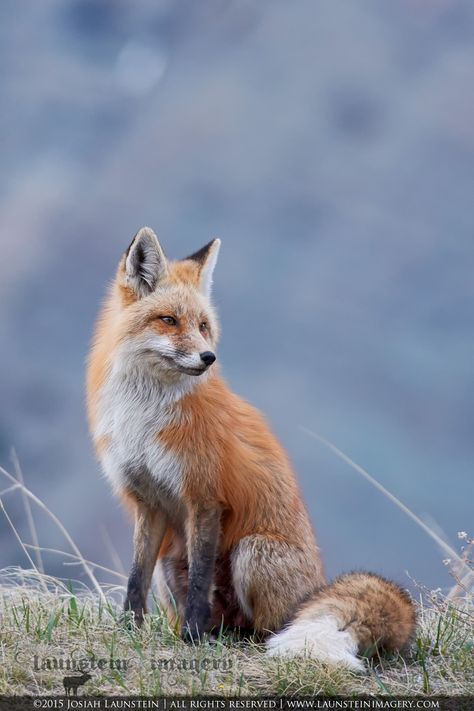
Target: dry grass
50	628
42	630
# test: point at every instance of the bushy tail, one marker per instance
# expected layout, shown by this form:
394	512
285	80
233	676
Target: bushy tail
358	613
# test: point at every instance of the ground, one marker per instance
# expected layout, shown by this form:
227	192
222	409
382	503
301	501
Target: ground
50	629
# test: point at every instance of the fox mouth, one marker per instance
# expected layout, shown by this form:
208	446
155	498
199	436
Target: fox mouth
191	371
188	370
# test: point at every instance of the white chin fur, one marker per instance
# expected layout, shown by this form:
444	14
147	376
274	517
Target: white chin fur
317	639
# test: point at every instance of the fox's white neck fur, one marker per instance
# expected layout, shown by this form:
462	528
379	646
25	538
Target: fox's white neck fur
137	402
138	365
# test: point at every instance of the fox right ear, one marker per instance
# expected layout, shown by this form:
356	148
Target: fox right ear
145	262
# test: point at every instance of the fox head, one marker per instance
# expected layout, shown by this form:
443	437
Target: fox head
166	320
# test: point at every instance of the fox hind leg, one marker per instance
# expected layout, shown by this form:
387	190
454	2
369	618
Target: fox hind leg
271	578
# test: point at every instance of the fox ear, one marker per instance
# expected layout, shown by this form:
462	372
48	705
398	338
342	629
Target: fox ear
145	262
206	258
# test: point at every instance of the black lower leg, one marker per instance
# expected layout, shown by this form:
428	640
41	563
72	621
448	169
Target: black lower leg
135	600
149	531
203	548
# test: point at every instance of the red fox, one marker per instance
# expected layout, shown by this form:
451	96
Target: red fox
216	504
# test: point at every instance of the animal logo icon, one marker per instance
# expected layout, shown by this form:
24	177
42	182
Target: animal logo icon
72	683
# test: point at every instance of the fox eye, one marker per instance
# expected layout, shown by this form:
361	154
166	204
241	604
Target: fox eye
170	320
203	327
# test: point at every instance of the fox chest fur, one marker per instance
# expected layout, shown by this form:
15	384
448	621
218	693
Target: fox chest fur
133	409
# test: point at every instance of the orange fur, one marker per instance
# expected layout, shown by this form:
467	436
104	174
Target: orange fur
231	457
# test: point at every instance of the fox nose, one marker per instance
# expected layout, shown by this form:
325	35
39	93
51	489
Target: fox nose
207	358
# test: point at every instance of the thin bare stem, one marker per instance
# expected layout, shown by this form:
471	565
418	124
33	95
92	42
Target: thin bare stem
18	538
9	489
63	530
112	550
78	561
28	511
464	584
432	534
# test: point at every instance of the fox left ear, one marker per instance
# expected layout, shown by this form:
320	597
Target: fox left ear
206	258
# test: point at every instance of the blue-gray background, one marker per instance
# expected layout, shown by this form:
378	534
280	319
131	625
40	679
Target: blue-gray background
330	145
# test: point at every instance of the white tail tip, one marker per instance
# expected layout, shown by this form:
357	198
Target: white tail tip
318	639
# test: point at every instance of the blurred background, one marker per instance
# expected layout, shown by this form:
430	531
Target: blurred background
331	147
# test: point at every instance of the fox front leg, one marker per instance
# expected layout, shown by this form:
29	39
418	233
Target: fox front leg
203	537
150	527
